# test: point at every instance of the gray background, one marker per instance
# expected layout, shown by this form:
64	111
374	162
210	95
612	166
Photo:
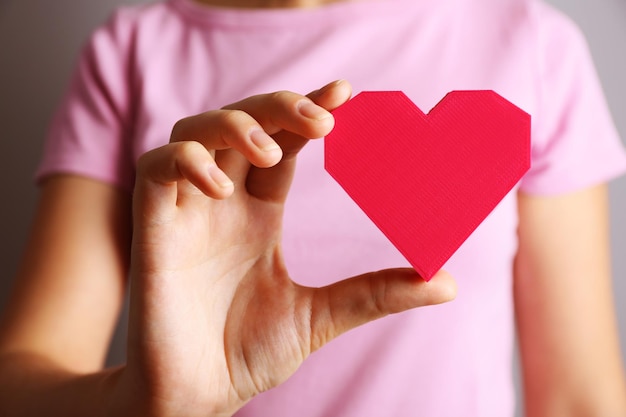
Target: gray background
39	41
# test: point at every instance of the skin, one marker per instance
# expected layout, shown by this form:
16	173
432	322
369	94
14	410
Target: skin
215	318
564	306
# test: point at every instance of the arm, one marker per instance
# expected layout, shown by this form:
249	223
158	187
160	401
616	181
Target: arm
564	306
67	295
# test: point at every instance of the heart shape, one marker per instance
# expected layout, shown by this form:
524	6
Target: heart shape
428	180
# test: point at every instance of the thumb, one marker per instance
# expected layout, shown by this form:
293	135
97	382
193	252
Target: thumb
347	304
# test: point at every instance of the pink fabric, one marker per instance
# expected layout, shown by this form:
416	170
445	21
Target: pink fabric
149	66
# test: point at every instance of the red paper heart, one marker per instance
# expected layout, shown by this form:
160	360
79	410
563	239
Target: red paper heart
428	180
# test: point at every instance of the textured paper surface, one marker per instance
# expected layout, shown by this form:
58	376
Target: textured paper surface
428	180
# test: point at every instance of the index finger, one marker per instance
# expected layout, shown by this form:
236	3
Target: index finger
273	183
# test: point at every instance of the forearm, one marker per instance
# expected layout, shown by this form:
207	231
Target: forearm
31	385
70	287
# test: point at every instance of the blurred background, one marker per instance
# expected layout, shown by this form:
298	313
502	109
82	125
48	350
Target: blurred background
39	41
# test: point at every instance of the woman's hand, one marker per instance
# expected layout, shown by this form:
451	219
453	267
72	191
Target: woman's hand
215	318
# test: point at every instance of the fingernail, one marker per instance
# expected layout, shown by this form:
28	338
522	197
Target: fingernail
262	140
328	87
333	84
311	110
218	176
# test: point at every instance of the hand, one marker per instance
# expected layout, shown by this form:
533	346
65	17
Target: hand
215	318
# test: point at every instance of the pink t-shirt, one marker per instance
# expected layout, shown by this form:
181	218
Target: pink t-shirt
152	65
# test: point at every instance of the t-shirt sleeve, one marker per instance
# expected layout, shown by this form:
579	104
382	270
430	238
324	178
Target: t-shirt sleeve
575	143
90	132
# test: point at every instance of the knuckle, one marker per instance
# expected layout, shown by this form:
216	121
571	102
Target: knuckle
143	162
188	149
378	290
280	95
178	130
285	100
232	125
231	118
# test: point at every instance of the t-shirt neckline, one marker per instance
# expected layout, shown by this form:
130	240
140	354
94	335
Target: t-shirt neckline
330	14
